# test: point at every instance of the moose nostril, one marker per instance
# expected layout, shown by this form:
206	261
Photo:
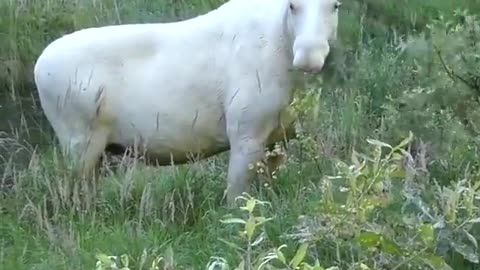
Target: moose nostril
313	70
309	66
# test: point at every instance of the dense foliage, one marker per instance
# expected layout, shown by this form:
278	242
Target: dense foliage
384	175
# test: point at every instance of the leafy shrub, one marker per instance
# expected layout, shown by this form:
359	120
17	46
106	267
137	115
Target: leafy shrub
379	212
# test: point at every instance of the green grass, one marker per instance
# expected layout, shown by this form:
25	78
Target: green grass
384	79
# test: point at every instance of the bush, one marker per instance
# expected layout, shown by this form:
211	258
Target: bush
380	212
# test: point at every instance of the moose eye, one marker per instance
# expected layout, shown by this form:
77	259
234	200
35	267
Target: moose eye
292	7
337	5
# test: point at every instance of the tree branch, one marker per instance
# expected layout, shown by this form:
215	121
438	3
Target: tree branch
453	75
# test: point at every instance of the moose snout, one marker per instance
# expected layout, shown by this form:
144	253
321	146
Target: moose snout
306	63
310	59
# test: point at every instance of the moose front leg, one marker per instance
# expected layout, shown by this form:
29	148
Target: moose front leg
253	111
248	133
244	154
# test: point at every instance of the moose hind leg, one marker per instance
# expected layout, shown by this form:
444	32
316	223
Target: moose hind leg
85	152
277	148
96	145
276	157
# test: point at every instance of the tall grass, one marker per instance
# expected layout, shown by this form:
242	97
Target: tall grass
399	67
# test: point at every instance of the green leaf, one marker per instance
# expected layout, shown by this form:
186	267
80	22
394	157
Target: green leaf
370	202
398	173
317	266
233	220
354	158
124	260
364	266
471	238
241	266
230	244
156	262
103	258
298	258
280	255
143	258
405	141
261	220
250	227
466	251
379	143
396	156
259	239
306	266
169	255
475	220
435	262
263	260
390	247
427	235
369	239
377	158
250	205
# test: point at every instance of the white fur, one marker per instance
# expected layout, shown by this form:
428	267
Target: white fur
213	83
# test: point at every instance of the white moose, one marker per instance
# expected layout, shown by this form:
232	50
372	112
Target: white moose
217	82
